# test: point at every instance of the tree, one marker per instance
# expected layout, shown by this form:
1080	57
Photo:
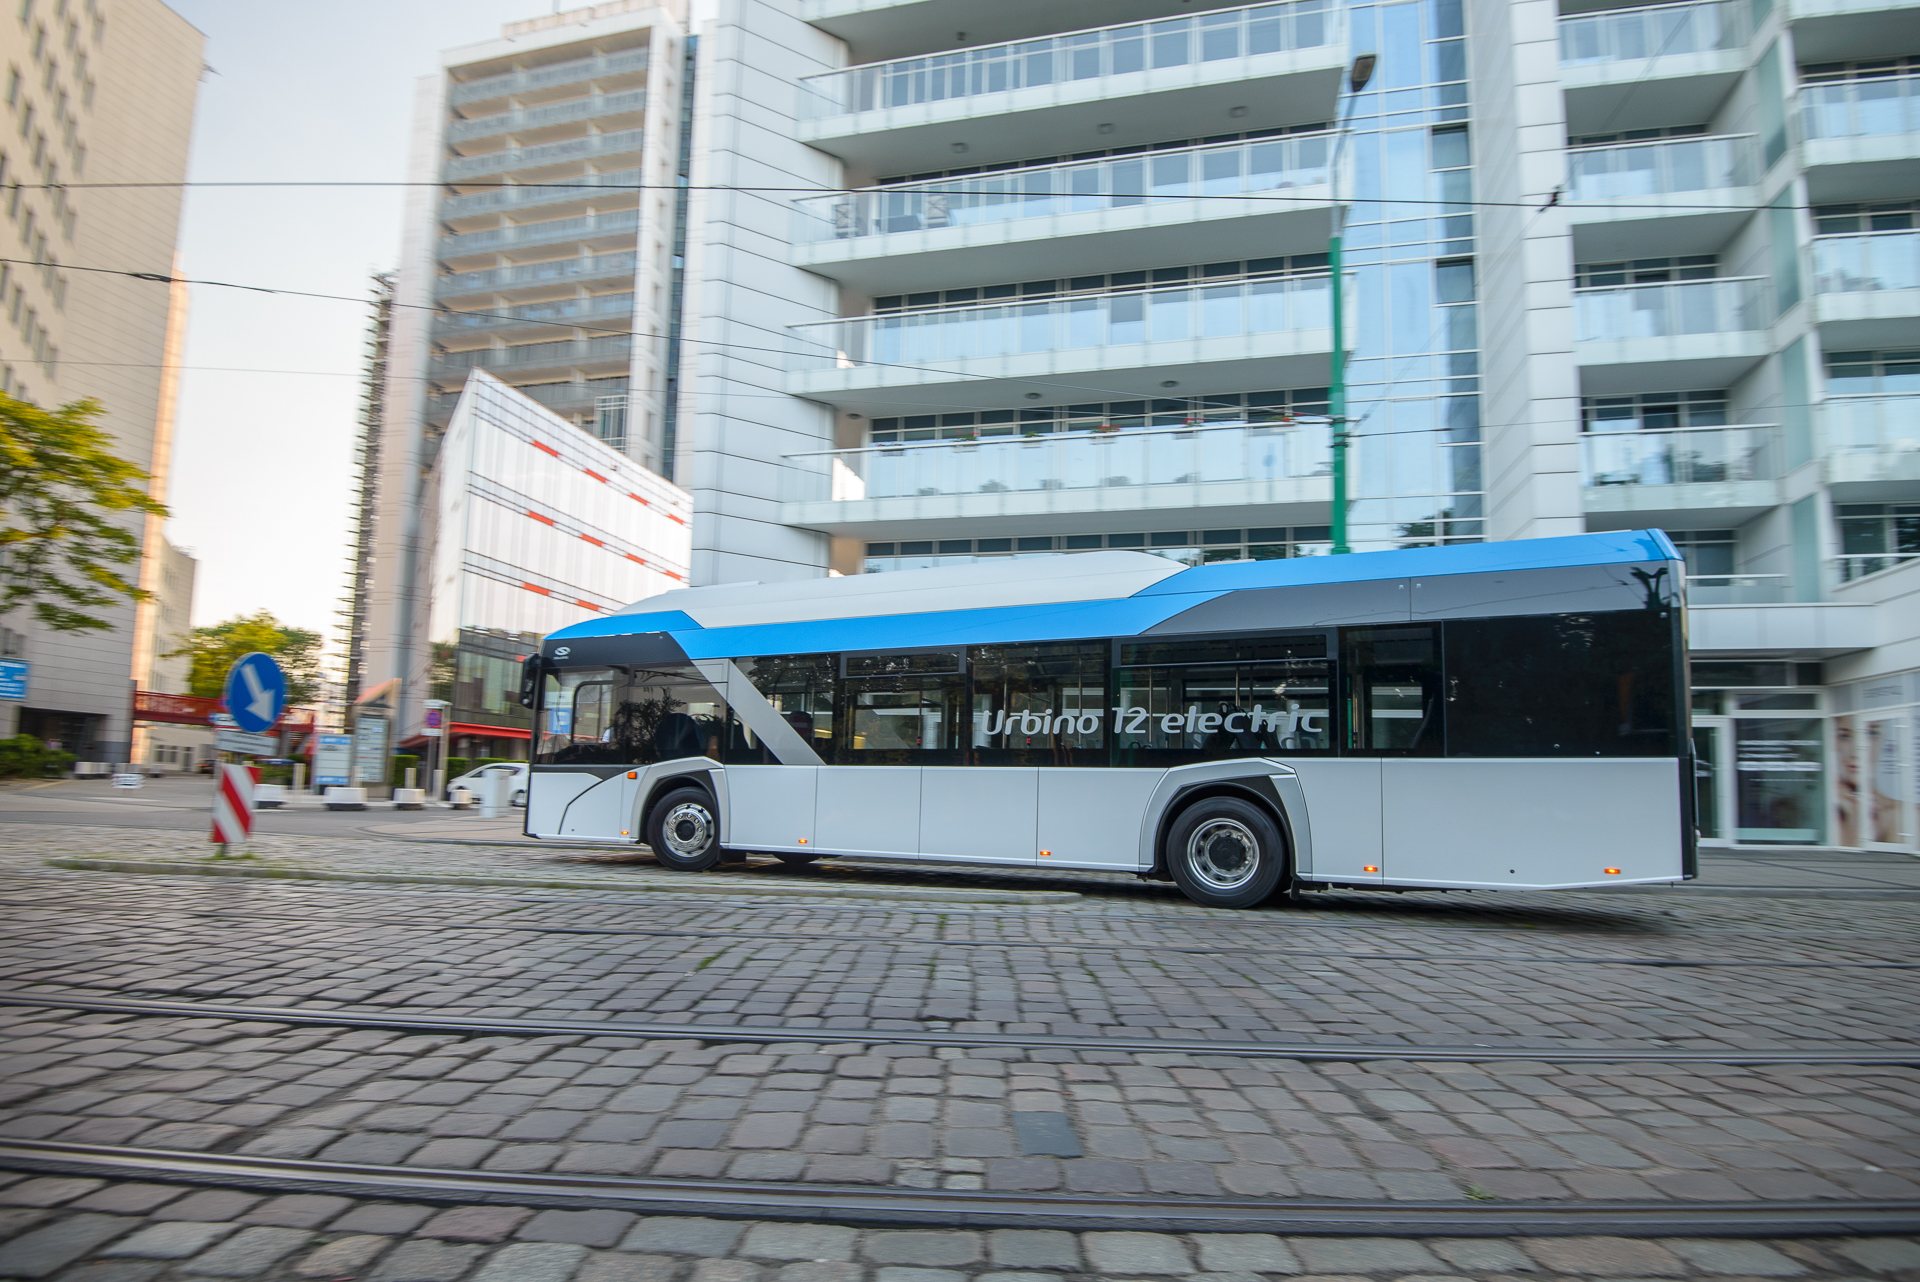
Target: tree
214	650
64	502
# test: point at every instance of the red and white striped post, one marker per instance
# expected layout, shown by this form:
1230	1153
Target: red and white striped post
233	803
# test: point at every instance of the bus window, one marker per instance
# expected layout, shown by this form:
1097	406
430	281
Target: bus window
1039	705
621	716
800	688
902	720
1175	715
1571	685
1393	691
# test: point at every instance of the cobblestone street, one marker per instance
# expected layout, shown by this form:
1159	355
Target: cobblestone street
1665	1054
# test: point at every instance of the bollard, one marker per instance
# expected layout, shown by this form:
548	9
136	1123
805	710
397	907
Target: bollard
413	777
493	795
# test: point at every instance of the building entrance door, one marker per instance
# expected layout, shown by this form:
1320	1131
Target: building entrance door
1712	781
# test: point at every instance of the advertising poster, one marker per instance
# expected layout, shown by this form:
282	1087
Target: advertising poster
370	750
332	759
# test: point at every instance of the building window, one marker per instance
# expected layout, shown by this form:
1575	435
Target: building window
1113	282
1876	536
1645	271
1190	411
1637	135
1874	69
1653	411
1873	373
1851	220
1188	547
1708	553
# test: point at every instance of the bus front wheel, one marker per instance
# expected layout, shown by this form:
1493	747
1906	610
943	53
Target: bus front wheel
684	832
1226	853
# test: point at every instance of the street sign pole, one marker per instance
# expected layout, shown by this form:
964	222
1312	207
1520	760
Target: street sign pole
256	695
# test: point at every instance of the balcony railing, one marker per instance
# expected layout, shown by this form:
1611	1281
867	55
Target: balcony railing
1659	168
561	73
559	113
1681	456
1125	461
1658	31
1858	565
1860	108
1726	306
1065	59
523	195
1738	589
1872	261
585	351
576	269
620	222
1273	164
1871	424
1060	324
616	309
461	168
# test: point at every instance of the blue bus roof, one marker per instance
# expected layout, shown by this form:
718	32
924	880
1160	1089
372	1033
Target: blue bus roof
784	623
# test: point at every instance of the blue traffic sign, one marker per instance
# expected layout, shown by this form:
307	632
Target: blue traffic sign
13	678
256	692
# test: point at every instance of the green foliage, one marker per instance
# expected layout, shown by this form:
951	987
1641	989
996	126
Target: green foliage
65	506
25	757
403	762
214	651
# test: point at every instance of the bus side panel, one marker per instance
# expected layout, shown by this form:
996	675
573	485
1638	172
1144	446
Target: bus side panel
1090	818
978	814
1343	808
869	810
1532	824
770	807
603	812
548	796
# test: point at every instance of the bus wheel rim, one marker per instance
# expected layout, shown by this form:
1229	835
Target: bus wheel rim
1223	854
688	830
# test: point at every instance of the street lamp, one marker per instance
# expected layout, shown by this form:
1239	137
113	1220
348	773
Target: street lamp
1357	77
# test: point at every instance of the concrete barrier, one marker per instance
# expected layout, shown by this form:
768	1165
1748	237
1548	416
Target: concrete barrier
409	798
269	796
346	799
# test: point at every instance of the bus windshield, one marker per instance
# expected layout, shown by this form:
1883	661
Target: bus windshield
628	716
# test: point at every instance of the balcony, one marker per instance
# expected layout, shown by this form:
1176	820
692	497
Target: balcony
1871	448
1216	474
1867	289
599	231
1645	68
608	311
1069	93
1684	195
533	119
1064	220
879	29
460	169
500	200
1703	333
1231	337
1844	30
1739	589
1634	479
536	276
628	62
1860	138
523	362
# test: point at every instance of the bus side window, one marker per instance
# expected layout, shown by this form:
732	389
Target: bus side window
1393	696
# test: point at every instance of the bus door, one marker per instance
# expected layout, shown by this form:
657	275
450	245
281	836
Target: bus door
896	714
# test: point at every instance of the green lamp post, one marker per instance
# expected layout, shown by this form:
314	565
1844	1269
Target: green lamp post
1357	78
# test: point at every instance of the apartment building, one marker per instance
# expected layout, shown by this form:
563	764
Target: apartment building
541	246
94	91
970	279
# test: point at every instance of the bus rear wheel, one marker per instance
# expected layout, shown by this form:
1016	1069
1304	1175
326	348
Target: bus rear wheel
1226	853
684	832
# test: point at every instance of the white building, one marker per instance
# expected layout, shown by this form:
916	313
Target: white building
970	278
538	525
540	246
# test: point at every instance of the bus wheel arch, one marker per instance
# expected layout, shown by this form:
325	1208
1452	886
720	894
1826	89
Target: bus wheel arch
666	796
1224	817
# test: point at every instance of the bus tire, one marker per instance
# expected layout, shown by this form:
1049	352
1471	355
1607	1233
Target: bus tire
1226	852
684	830
796	857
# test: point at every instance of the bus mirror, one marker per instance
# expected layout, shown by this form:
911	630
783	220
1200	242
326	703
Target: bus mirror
530	671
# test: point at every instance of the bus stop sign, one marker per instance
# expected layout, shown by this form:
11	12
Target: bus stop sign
256	693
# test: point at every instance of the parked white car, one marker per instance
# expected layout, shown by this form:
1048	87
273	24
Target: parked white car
474	780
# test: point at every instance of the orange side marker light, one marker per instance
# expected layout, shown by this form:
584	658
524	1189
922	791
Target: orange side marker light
1046	854
1369	868
633	774
1611	872
801	840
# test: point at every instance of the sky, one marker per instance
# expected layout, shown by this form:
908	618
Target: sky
262	467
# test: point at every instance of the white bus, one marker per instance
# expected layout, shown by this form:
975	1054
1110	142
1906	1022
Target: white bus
1484	716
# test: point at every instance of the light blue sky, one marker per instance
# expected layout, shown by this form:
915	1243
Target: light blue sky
262	461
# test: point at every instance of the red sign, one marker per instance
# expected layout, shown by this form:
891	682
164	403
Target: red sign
186	709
